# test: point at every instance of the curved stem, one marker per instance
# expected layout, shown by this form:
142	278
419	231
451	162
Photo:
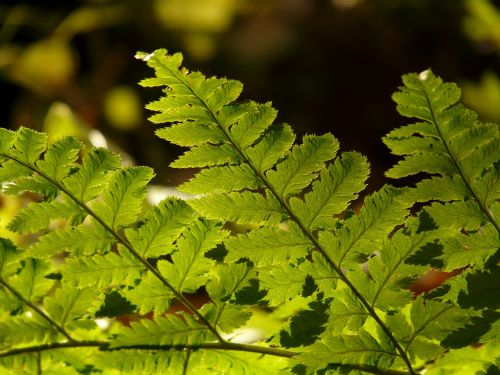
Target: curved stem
53	346
126	244
105	346
18	295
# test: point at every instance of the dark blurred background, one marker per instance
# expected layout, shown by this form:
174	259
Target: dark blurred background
327	65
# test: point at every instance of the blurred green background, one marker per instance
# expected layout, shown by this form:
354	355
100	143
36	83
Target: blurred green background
327	65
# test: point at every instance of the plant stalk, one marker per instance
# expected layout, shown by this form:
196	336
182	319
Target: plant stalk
105	346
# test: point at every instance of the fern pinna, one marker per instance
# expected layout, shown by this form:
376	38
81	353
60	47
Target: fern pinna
91	239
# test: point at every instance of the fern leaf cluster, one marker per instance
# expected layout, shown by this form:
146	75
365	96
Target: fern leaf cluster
94	248
461	193
462	154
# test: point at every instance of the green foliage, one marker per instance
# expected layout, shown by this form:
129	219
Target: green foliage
464	187
170	330
338	279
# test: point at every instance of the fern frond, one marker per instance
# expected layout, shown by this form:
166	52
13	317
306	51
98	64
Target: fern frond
457	135
7	138
37	216
346	313
389	275
191	134
31	282
268	246
244	127
331	194
10	170
23	330
77	358
456	147
229	280
102	270
220	361
227	317
9	258
119	206
109	203
171	330
222	179
60	158
162	226
298	170
189	267
138	362
89	180
246	208
271	148
28	145
337	281
82	239
71	307
19	365
48	175
474	249
429	323
252	124
360	235
34	184
265	184
121	201
348	350
488	186
435	320
483	360
286	283
207	155
149	295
